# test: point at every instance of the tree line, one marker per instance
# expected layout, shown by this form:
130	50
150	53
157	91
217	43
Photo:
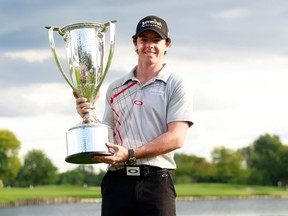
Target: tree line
264	162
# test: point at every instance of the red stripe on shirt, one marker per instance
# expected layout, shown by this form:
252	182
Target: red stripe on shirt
120	137
123	90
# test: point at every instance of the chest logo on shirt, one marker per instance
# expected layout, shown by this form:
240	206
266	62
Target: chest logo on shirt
156	91
138	102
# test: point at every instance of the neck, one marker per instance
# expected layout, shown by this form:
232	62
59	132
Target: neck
144	74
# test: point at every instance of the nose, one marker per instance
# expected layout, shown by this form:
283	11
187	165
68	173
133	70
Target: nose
150	43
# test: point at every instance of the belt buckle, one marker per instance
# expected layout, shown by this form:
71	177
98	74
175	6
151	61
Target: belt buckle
133	171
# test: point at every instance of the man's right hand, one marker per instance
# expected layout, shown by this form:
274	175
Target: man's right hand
82	107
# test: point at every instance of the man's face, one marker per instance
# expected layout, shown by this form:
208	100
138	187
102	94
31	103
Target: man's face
151	47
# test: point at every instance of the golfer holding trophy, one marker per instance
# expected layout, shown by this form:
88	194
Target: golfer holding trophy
85	47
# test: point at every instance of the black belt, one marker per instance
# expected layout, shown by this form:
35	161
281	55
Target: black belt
140	170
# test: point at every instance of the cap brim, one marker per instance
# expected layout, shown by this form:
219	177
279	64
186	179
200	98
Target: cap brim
163	36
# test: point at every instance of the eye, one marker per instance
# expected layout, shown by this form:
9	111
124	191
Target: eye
143	40
157	40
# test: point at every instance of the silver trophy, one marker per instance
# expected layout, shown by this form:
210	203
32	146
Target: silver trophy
85	47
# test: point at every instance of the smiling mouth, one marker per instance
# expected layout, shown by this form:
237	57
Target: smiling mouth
150	53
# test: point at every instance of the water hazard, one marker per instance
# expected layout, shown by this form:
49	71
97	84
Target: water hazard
247	207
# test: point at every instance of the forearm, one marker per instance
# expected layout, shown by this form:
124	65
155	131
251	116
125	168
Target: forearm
167	142
171	140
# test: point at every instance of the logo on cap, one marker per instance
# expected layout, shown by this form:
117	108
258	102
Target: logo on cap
151	23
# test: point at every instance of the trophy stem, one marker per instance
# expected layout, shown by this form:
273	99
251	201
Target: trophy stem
91	116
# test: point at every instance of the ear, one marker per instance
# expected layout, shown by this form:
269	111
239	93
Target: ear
168	45
168	42
134	41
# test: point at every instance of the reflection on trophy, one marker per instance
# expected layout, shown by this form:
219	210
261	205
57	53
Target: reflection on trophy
85	47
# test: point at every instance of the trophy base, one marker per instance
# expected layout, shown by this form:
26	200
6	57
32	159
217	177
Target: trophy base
86	157
87	140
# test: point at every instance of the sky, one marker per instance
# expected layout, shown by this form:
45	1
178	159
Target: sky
233	54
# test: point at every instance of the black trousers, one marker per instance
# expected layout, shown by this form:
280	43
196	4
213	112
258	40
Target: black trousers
150	195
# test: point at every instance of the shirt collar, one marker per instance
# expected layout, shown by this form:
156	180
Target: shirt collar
163	75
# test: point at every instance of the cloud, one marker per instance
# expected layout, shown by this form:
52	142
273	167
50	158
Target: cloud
29	55
36	99
232	14
235	81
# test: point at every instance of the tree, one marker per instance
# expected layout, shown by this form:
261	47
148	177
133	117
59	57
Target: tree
82	175
191	168
228	164
9	160
283	166
37	170
266	158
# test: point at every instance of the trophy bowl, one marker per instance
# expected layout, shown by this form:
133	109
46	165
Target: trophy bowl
85	52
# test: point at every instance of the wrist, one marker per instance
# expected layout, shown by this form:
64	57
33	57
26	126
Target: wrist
131	157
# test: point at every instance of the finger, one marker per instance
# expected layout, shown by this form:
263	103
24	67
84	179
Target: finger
81	100
84	106
98	159
81	107
109	145
87	121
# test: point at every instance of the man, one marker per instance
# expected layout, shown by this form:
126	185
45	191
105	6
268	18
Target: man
150	112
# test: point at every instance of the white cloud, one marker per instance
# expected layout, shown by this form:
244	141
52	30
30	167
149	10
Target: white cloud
45	132
29	55
233	129
124	58
235	13
33	55
36	99
40	117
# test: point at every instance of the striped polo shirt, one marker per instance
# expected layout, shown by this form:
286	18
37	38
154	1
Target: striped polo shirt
140	113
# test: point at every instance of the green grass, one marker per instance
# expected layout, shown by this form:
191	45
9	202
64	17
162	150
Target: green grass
183	190
206	189
14	194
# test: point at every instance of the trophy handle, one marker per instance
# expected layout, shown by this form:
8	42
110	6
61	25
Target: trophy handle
51	30
110	24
